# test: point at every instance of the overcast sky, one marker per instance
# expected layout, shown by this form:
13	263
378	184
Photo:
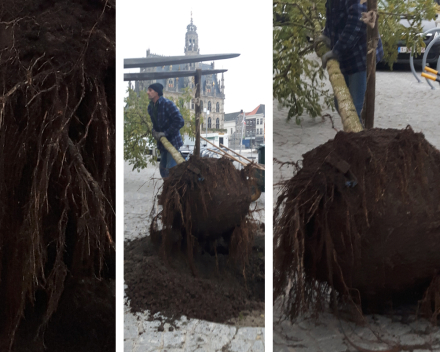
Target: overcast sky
228	26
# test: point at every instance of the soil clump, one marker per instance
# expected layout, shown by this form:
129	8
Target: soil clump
205	200
219	293
361	217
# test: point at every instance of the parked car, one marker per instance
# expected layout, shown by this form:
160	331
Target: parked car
404	53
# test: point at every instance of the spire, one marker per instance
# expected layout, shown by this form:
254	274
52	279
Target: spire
191	39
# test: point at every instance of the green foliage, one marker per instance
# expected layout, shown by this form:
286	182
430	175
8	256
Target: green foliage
138	126
298	76
390	13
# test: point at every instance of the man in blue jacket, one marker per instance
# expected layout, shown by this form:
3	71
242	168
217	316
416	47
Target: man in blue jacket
346	34
167	121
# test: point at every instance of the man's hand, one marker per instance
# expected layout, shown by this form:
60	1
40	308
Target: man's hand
158	135
322	39
328	56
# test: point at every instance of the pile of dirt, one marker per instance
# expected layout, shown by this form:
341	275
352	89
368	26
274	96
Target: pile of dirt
218	293
361	216
57	167
205	199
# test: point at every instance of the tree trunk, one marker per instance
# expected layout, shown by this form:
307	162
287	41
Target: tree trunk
370	95
198	83
347	111
173	151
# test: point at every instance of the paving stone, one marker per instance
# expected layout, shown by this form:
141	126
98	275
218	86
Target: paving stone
149	342
220	336
195	341
322	333
130	327
281	348
204	328
395	330
422	325
258	346
173	339
413	339
128	345
239	345
247	333
333	344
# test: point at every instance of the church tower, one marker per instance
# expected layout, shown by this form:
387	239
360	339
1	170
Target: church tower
191	39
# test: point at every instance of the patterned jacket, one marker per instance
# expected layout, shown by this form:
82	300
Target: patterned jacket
348	34
166	118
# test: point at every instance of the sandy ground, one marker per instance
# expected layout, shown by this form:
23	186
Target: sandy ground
400	101
244	334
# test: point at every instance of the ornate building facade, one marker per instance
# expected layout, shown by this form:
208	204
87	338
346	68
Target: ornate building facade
212	90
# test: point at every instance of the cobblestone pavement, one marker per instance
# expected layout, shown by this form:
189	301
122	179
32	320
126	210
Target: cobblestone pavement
400	101
141	334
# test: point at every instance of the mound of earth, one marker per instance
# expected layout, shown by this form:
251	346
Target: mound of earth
361	216
218	293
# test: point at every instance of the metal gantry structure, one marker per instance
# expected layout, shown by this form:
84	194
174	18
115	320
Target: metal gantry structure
175	60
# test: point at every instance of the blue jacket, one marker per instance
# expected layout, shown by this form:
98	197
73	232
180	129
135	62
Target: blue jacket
348	34
166	118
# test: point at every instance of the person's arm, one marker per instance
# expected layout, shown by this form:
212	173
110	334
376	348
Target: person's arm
354	28
175	119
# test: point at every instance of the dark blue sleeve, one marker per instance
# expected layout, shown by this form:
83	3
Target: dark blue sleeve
175	119
354	27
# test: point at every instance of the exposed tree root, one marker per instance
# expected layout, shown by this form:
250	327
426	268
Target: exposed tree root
57	106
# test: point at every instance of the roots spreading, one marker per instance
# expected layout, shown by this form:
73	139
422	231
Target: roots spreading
374	243
57	106
204	200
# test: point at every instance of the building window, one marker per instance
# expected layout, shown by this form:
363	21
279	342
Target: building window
209	122
192	104
217	123
209	106
170	83
217	107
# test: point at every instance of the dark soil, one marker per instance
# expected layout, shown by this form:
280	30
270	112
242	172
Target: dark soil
84	320
217	294
204	200
376	242
57	175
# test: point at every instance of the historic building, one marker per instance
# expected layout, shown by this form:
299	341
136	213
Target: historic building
212	90
253	127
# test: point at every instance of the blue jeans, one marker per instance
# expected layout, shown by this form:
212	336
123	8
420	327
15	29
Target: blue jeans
166	163
357	85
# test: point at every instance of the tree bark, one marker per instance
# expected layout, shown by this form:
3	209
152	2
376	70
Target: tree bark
198	83
370	94
173	151
347	111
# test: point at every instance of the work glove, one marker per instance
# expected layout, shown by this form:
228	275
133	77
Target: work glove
158	135
324	39
328	56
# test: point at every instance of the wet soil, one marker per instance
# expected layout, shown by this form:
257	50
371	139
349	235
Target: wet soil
219	293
